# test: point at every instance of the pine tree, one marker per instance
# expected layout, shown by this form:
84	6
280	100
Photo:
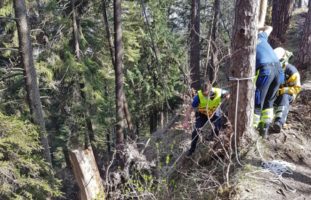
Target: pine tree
304	55
242	67
33	95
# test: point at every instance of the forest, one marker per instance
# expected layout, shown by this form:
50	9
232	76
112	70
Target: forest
95	99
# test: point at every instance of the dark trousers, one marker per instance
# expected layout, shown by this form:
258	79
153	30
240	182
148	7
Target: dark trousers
281	106
270	77
200	120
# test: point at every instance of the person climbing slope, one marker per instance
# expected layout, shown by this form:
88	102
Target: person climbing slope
206	106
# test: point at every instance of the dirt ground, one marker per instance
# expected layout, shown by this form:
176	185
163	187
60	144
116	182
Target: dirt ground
289	151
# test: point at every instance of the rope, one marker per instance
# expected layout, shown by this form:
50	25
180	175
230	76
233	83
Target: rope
277	167
236	111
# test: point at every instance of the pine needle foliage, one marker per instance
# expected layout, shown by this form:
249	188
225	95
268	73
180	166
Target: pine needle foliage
23	172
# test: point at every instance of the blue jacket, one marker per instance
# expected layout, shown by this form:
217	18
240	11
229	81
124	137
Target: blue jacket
264	51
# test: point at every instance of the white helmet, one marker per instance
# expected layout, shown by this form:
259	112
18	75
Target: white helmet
282	54
279	52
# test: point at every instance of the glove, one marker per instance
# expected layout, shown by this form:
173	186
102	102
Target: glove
283	90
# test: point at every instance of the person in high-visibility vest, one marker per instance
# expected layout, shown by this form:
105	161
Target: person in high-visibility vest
287	92
206	106
270	77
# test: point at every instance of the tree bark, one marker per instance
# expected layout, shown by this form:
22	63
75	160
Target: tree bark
110	44
304	55
214	54
299	3
262	12
80	95
108	34
128	118
153	119
119	80
281	14
243	66
76	35
195	45
89	137
32	88
84	161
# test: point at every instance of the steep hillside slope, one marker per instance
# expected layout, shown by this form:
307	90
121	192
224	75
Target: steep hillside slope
280	168
277	168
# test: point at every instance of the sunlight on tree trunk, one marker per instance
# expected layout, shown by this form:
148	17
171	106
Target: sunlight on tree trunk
87	174
243	66
262	12
119	80
32	88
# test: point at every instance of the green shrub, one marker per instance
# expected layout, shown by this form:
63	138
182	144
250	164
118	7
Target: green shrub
23	172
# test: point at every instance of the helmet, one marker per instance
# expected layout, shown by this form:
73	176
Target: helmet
283	55
279	52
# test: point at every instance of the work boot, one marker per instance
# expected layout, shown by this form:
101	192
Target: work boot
277	126
264	130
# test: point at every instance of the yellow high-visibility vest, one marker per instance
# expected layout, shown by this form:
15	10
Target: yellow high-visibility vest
208	106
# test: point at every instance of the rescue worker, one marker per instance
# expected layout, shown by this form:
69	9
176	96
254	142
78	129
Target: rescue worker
270	77
287	92
206	106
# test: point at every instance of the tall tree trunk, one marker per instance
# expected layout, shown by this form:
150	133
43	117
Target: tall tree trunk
108	34
84	161
153	119
304	55
76	35
89	137
128	119
262	12
78	94
108	141
110	44
32	88
243	66
195	45
119	80
214	55
281	14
